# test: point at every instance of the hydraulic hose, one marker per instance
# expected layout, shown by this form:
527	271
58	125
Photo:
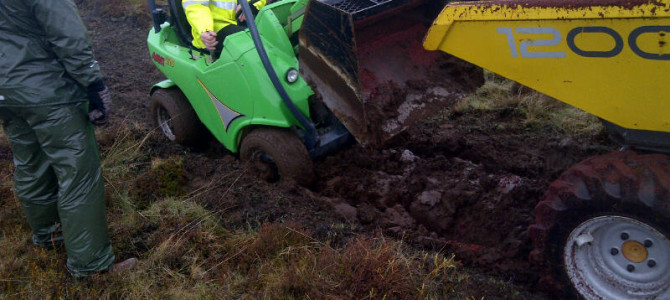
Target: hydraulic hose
311	138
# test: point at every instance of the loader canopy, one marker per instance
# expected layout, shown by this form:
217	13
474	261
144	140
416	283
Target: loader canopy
366	61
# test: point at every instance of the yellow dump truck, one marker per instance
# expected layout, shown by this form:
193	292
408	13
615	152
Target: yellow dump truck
603	226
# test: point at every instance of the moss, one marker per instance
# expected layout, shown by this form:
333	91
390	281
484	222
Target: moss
6	195
166	178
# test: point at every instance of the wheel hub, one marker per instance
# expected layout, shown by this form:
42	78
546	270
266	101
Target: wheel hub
634	251
616	257
265	166
165	123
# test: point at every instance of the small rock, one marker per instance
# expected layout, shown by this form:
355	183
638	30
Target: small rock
407	156
508	183
397	216
347	211
565	142
430	198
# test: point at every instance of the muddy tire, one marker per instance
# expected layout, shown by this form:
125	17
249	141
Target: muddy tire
601	230
174	116
277	155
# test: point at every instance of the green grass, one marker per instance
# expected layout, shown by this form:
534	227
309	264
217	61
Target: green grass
535	110
186	253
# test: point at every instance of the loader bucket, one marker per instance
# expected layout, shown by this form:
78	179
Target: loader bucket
365	60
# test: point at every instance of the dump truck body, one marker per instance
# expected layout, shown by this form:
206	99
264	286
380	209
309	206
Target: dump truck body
609	58
603	225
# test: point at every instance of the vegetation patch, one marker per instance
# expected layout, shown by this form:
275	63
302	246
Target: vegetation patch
165	178
538	112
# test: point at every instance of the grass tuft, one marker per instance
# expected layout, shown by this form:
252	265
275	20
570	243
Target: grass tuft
186	252
537	111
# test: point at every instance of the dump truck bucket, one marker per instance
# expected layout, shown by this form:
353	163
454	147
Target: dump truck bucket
365	59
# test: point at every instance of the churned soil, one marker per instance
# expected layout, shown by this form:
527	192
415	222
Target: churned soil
461	183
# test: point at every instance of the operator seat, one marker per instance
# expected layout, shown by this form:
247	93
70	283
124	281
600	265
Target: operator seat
180	24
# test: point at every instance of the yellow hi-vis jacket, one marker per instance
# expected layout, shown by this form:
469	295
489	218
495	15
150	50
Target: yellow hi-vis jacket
211	15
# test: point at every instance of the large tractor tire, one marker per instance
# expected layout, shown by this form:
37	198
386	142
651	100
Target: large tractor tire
174	116
602	228
277	154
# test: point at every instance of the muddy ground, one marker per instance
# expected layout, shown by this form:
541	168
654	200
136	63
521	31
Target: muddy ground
460	183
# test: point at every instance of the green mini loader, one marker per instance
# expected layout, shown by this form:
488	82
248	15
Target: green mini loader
281	94
234	97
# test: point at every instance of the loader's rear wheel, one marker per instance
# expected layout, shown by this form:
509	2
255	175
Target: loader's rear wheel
174	116
603	226
277	154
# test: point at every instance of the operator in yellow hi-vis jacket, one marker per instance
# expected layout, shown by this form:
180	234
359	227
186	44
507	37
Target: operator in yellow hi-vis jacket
212	20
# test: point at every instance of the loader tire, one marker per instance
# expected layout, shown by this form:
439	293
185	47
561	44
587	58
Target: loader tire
602	229
174	116
277	154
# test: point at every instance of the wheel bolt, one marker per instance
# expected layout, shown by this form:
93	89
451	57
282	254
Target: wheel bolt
624	236
630	268
648	243
614	251
651	263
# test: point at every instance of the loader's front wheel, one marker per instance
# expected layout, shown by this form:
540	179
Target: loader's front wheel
277	154
603	227
174	116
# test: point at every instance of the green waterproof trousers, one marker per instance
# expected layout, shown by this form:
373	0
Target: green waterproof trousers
58	179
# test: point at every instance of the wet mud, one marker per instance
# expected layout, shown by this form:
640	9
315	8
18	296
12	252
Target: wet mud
455	184
461	183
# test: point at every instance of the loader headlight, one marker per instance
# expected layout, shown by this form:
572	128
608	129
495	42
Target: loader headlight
292	75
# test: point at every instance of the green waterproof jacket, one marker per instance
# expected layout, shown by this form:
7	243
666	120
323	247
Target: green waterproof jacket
46	56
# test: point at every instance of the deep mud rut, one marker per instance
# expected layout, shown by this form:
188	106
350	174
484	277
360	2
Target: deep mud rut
454	184
460	183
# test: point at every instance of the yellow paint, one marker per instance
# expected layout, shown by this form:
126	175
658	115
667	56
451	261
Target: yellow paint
634	251
626	89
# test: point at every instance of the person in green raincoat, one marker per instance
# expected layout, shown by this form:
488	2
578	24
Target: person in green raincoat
51	90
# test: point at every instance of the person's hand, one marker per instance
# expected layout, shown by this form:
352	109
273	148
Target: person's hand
240	16
209	39
99	102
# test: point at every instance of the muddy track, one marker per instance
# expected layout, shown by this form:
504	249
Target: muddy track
460	183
